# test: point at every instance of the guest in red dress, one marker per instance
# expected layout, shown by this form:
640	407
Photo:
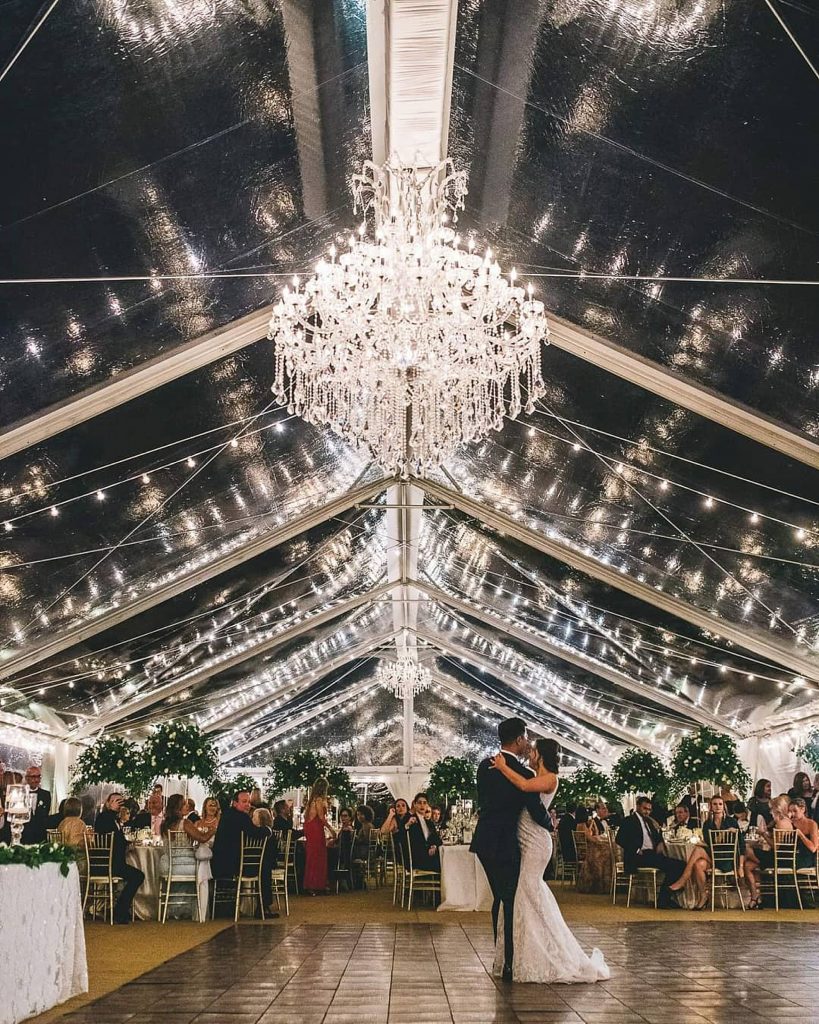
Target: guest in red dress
316	878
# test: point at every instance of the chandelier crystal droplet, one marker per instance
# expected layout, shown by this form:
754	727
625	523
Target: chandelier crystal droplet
404	676
408	342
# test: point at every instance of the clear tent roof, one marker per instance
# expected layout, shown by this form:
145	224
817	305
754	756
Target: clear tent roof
619	565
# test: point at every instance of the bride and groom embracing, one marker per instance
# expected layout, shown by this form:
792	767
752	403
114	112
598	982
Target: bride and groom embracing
514	845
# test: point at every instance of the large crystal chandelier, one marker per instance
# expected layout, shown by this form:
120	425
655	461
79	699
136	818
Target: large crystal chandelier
404	676
408	342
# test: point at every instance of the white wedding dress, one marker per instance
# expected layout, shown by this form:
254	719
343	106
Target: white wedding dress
546	950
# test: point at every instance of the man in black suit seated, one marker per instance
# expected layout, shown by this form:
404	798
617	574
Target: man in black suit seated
34	830
565	834
643	847
227	843
282	816
108	822
496	836
423	837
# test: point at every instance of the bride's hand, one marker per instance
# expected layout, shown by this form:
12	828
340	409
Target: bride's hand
499	761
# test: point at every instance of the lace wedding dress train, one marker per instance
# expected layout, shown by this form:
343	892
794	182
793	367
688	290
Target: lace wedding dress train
546	950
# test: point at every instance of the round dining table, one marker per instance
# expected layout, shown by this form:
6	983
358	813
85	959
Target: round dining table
147	858
464	885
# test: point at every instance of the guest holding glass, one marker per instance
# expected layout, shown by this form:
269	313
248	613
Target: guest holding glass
316	827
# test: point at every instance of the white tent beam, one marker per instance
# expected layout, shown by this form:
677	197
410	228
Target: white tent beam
578	715
498	708
192	679
151	598
564	653
302	682
349	693
751	640
668	384
147	376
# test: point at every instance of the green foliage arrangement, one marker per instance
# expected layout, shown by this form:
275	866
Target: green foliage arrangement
809	751
36	856
640	771
453	778
710	756
586	786
182	749
223	789
298	769
114	760
342	785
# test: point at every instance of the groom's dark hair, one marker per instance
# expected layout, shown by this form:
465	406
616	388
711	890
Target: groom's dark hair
509	730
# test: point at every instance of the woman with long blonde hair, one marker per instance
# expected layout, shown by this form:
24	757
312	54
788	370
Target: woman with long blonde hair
316	827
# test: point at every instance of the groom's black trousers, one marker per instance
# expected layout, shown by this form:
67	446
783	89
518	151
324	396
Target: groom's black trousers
502	874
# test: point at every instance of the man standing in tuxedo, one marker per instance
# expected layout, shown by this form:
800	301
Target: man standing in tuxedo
40	801
496	837
643	847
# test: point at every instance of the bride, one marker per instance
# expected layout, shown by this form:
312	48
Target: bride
545	949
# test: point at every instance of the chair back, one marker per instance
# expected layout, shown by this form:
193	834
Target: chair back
178	844
580	840
616	852
100	854
283	838
784	849
345	851
53	835
250	863
723	845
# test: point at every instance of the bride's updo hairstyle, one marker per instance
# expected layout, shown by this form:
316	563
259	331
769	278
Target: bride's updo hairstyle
549	752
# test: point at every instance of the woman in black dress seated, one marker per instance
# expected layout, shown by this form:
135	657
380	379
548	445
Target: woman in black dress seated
699	863
761	858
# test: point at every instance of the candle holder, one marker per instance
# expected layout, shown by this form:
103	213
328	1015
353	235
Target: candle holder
18	811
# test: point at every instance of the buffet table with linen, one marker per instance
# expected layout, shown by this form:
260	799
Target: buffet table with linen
43	940
463	881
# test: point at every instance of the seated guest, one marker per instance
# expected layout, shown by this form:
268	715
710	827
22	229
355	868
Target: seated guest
742	816
600	821
691	802
262	818
813	806
189	811
808	838
34	831
436	817
282	816
108	822
125	815
234	823
584	822
800	790
422	836
89	809
699	862
71	827
256	798
153	814
184	861
759	808
565	834
642	846
361	843
761	858
730	799
53	820
682	819
659	812
397	818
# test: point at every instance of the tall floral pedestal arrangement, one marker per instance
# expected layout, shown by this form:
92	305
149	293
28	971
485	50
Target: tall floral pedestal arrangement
708	757
639	771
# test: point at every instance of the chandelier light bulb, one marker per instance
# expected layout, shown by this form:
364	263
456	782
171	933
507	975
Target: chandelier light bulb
407	345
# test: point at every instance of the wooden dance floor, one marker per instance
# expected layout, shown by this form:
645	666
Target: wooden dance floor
662	973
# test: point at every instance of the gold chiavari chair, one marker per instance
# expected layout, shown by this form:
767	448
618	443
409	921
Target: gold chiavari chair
279	874
782	876
248	882
420	879
723	846
101	878
179	850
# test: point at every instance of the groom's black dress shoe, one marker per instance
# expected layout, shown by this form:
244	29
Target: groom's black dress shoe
507	973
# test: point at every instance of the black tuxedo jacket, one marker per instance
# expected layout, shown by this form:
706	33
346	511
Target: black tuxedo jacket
227	850
630	839
499	805
420	847
35	829
565	833
5	831
140	820
108	821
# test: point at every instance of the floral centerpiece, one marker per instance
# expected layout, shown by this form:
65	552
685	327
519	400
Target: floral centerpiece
640	771
809	750
710	756
181	749
113	760
586	786
453	778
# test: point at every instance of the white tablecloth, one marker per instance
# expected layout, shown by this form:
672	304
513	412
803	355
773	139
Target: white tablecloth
463	881
146	901
43	943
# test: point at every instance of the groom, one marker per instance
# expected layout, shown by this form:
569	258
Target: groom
496	836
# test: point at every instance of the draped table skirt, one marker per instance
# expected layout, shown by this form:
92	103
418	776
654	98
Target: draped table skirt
595	870
463	881
43	943
146	901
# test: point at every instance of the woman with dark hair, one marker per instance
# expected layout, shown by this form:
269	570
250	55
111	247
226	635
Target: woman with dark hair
316	877
699	863
759	806
801	788
545	949
184	862
397	817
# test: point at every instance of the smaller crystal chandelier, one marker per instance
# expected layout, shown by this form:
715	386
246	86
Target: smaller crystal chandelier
405	677
408	342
